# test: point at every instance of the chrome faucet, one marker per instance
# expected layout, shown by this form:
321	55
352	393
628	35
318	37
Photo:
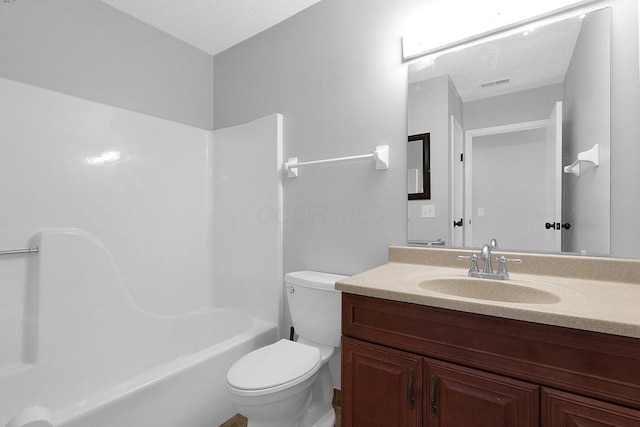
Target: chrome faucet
487	269
485	256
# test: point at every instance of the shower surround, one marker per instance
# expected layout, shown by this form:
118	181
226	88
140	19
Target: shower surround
126	299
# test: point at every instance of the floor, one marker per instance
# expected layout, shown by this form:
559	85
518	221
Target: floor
240	421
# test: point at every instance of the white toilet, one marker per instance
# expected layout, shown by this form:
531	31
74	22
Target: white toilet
288	384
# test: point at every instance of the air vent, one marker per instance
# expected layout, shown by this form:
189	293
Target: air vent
495	82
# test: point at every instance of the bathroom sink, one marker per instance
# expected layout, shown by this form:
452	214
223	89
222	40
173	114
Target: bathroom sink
491	290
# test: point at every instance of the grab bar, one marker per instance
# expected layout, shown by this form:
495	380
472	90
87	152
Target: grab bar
438	242
21	251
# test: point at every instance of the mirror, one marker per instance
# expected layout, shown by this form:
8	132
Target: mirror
418	167
506	115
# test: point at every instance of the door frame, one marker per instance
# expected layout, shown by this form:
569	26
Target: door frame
468	161
457	181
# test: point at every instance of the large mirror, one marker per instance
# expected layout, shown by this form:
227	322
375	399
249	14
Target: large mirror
506	116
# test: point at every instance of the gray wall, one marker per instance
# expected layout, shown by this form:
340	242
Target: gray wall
523	106
90	50
428	111
335	72
586	121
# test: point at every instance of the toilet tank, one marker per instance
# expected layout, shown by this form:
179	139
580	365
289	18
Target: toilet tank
315	306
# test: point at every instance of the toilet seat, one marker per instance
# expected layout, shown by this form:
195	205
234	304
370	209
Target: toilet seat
273	368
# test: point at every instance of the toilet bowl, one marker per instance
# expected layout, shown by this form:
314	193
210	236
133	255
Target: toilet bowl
274	382
288	383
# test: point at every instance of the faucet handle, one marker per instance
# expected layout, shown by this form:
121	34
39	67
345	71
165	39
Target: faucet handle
502	267
474	261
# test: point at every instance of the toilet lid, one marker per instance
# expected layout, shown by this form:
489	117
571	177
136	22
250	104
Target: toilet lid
274	365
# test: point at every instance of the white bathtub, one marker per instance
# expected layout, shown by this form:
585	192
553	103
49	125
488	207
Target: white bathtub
186	391
93	358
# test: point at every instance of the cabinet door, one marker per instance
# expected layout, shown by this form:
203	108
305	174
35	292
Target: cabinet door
381	387
560	409
459	396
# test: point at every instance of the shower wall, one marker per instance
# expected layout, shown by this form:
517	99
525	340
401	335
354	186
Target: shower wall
247	223
139	184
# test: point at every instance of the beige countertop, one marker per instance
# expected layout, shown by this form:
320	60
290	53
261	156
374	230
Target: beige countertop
594	294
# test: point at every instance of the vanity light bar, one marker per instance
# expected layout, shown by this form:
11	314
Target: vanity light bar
413	47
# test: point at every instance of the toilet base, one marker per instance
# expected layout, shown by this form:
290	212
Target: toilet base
316	410
327	420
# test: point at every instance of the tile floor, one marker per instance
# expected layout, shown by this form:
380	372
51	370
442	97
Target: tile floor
240	421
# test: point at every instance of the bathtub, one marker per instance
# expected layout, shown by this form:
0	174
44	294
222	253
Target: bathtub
92	358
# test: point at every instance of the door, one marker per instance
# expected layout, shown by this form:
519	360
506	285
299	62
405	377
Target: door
459	396
506	169
381	387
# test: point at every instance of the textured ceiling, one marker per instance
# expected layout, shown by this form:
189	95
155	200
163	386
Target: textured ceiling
211	25
530	59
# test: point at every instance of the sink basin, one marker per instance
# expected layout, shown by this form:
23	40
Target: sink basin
491	290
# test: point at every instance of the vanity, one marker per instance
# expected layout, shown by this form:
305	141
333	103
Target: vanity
557	344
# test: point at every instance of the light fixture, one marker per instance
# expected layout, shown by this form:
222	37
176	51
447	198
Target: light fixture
417	44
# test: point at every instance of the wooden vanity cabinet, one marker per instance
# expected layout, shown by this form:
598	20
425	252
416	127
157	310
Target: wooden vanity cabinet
562	409
460	396
385	385
411	365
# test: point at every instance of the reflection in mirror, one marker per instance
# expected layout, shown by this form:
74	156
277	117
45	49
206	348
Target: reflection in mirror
529	154
505	116
418	167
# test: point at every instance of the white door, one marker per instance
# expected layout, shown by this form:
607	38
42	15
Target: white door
507	195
